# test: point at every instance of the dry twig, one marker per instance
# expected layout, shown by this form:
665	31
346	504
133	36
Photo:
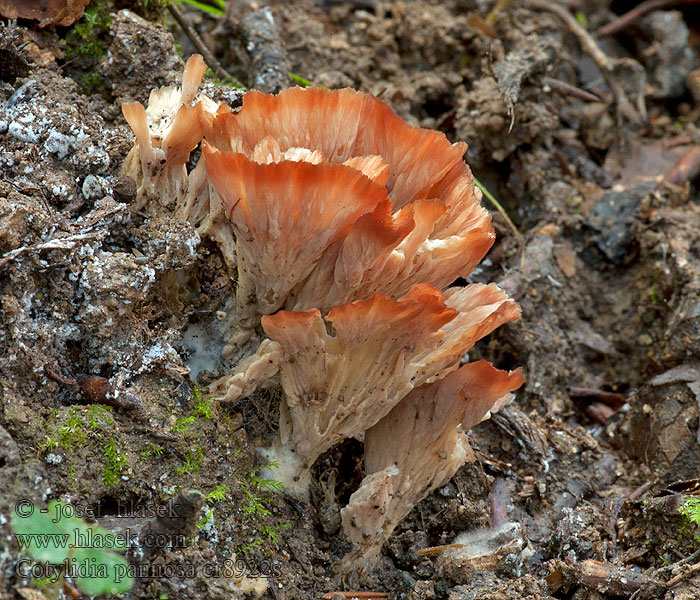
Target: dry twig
62	243
67	241
610	398
687	560
433	550
612	70
636	13
269	67
681	577
686	168
566	89
201	47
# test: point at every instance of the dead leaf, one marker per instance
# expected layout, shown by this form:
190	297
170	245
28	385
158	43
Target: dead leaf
47	12
593	340
566	259
30	594
642	163
682	373
550	229
686	168
40	56
688	374
476	23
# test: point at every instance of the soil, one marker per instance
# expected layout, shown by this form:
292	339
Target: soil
104	312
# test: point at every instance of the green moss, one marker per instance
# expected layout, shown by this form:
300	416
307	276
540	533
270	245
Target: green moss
86	44
153	451
46	584
690	509
72	474
79	426
193	459
653	294
99	415
71	429
87	37
204	407
218	493
92	82
183	424
48	444
208	516
72	433
115	463
257	507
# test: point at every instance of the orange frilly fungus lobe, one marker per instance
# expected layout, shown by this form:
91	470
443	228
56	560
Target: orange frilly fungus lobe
428	226
341	224
285	216
433	228
417	448
166	133
338	385
342	125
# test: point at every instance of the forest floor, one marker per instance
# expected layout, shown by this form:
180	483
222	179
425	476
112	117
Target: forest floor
101	308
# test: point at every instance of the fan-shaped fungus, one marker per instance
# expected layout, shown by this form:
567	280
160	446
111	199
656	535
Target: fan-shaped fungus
166	133
417	448
337	385
327	203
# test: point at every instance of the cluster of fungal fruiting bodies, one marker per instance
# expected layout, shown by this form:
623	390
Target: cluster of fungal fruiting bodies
342	225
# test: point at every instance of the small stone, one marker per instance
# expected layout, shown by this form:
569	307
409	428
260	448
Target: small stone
92	188
645	340
54	459
125	190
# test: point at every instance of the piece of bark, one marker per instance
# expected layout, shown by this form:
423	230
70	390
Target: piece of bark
523	430
599	412
13	63
608	578
269	68
612	399
98	389
49	12
498	498
686	168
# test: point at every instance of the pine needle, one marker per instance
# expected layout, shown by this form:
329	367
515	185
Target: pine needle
499	208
